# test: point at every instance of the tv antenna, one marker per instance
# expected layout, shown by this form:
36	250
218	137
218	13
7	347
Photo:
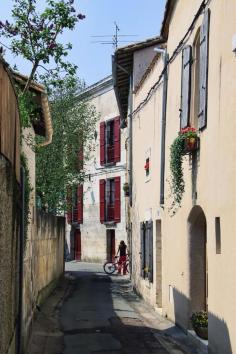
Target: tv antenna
113	39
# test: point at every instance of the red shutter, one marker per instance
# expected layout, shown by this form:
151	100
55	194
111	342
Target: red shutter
117	199
80	193
102	190
117	139
102	143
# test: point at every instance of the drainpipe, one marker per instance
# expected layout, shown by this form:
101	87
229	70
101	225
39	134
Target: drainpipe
21	262
130	126
165	57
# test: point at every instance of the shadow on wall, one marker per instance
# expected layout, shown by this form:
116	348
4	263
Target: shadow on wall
218	333
219	338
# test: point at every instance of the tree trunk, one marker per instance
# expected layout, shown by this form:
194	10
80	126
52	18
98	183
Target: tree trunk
30	77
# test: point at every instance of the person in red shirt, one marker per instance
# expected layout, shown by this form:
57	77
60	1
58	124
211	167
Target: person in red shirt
123	256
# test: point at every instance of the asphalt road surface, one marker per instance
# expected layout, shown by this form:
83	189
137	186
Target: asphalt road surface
92	313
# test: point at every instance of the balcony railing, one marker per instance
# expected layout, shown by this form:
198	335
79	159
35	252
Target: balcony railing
110	153
110	213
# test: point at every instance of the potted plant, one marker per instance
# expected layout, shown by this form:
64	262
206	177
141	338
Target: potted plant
126	189
186	142
200	323
191	140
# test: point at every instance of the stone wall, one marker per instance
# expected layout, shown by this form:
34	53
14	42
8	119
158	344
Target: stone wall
43	263
9	256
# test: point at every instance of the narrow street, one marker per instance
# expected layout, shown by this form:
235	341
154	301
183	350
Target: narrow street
91	312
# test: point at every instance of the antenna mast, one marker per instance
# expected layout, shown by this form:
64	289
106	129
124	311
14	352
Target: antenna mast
113	39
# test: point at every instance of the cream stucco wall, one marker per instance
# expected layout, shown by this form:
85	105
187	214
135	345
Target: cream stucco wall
216	173
146	140
93	233
215	178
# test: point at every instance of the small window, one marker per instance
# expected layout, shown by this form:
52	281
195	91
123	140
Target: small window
147	167
218	235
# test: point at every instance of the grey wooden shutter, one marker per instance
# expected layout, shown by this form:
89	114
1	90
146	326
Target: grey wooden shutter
142	248
150	239
185	86
146	261
203	69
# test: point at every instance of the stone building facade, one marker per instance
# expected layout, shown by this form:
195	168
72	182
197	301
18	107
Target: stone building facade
100	222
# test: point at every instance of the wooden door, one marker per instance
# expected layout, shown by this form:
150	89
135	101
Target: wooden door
77	245
111	245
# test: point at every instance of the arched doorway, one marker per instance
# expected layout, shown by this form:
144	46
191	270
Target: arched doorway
198	277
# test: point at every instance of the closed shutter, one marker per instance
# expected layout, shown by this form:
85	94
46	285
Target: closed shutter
203	68
102	143
117	200
146	266
80	193
117	139
186	86
150	241
142	249
102	189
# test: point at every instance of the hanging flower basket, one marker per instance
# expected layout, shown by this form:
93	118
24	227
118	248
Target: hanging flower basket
126	189
191	140
186	142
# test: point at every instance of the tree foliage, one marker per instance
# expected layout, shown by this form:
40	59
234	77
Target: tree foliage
59	165
35	34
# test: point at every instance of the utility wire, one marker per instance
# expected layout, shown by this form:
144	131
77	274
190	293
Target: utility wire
171	59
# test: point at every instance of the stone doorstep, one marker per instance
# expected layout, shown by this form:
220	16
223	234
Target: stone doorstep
202	344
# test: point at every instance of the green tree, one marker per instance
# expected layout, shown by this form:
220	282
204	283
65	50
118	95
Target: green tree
59	165
35	35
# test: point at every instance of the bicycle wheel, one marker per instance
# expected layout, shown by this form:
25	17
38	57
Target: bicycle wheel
109	267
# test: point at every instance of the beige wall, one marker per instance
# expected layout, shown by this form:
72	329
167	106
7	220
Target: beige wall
44	263
215	182
44	249
216	191
146	140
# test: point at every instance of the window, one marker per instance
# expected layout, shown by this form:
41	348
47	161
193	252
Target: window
146	251
77	214
110	200
185	86
147	166
110	141
203	70
218	235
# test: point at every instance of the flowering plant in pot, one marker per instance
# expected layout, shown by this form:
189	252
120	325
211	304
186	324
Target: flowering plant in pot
185	142
200	323
126	189
190	137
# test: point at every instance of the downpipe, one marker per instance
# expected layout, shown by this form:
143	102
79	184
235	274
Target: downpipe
165	57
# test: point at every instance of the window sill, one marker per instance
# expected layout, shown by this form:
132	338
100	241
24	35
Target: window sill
109	223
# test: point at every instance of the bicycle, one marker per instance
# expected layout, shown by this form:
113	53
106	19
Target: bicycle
110	267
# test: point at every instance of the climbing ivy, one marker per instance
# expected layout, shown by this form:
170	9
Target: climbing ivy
28	189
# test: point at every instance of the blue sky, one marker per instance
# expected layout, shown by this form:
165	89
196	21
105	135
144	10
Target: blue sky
138	17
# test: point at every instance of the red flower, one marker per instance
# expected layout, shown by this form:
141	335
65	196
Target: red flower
188	129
